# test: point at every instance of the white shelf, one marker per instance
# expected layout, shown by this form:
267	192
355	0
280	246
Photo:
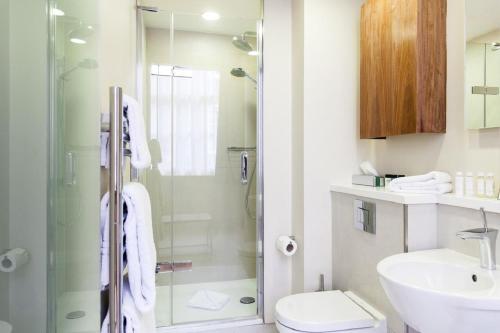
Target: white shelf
380	193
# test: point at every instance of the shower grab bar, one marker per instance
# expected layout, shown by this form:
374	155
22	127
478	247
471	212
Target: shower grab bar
240	149
116	145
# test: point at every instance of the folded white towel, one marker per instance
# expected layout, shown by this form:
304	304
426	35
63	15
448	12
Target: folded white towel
141	157
139	245
436	177
133	321
435	182
436	189
209	300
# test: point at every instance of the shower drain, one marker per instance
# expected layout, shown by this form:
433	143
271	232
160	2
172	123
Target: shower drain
247	300
75	315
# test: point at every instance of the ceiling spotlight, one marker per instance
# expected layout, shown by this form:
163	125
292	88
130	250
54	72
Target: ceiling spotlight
78	40
211	16
57	12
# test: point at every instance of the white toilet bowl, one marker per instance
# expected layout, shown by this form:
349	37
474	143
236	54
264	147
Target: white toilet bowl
5	327
329	311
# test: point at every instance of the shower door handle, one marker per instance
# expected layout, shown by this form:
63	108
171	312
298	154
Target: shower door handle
244	167
176	266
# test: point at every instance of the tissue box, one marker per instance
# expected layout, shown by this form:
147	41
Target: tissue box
368	180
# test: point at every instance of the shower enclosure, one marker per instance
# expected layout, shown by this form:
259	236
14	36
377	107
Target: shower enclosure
198	82
197	71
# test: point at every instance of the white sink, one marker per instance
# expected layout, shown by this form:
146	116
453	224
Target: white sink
442	291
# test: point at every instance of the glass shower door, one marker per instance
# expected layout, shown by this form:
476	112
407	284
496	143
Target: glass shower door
74	176
214	146
201	102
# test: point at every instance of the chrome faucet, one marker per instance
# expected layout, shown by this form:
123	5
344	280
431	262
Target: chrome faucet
487	242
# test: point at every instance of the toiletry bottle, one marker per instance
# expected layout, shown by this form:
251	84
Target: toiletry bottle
490	185
459	184
480	185
469	184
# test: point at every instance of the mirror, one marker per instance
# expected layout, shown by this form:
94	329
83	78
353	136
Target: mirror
482	64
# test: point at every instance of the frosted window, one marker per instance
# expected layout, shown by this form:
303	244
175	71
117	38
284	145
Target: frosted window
191	130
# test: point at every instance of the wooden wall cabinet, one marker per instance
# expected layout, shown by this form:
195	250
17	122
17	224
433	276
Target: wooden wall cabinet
403	67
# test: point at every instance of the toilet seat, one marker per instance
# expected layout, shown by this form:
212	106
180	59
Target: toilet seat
330	311
5	327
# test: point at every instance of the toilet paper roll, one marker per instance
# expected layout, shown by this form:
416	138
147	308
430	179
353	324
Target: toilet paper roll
286	245
13	259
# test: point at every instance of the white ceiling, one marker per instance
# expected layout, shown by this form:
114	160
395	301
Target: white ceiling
482	17
237	16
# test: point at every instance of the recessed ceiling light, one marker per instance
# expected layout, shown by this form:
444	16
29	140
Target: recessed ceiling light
78	41
57	12
253	53
211	16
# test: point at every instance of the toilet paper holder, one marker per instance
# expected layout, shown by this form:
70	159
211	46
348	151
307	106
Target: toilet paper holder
13	259
286	245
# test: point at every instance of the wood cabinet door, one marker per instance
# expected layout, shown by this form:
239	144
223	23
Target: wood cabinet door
376	68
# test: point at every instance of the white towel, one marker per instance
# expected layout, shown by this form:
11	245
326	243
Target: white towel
435	182
133	321
209	300
141	157
139	245
105	149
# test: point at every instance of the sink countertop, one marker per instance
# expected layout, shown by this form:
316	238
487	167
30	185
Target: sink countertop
381	193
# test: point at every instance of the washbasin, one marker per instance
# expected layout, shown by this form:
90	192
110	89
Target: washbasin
442	291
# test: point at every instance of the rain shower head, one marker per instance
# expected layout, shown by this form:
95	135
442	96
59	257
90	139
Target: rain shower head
242	43
240	72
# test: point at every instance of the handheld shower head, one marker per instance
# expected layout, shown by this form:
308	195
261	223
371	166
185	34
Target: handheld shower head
240	72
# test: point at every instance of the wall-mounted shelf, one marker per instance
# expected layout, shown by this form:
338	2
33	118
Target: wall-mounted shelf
490	205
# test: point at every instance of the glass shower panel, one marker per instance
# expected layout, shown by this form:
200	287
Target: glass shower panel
157	85
75	176
213	147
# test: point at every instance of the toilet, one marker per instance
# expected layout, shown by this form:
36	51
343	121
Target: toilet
328	311
5	327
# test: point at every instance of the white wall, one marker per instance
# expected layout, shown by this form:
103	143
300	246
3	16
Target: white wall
277	149
117	61
328	124
28	161
457	150
4	151
298	142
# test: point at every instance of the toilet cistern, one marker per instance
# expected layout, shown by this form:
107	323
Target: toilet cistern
487	242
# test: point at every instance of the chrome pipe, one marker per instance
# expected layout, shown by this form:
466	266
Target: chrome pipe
115	210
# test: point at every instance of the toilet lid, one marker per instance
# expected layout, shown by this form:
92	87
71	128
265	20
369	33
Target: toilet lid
322	312
5	328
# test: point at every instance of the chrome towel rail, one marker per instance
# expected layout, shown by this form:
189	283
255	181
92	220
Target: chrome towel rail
116	210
